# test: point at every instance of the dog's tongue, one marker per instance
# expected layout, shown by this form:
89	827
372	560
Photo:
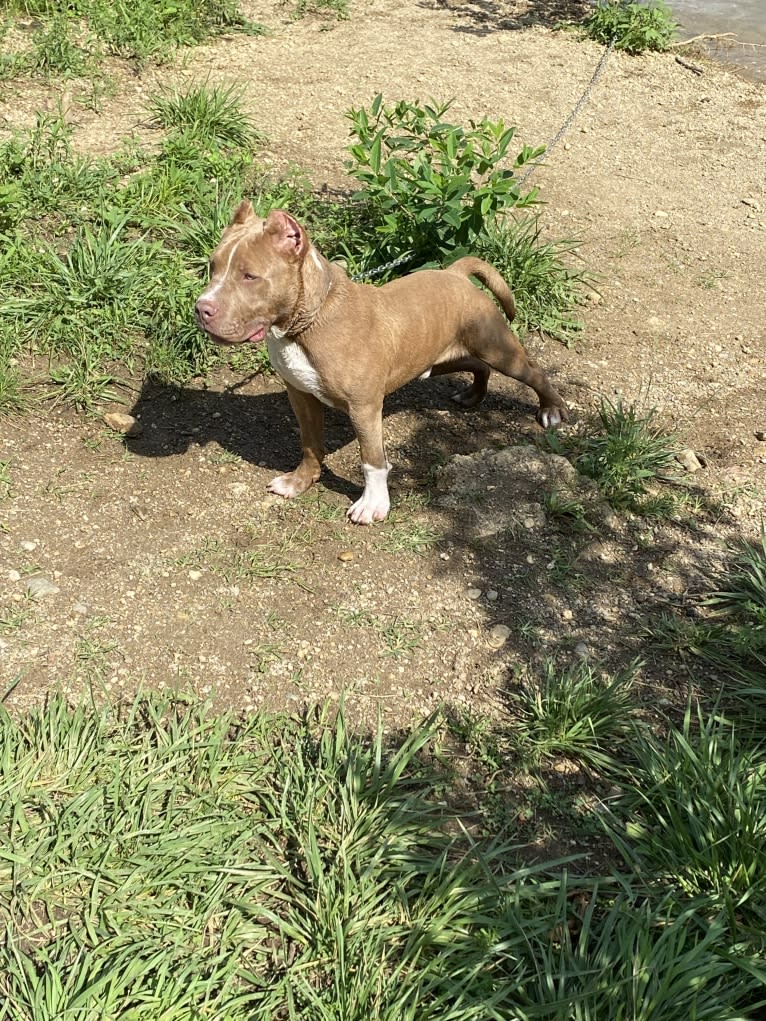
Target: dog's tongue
257	335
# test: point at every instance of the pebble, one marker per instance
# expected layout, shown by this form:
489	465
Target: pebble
346	555
567	614
760	435
14	576
499	635
688	460
492	595
41	586
195	575
581	650
474	593
28	545
122	423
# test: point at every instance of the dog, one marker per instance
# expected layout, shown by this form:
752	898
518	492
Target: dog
346	345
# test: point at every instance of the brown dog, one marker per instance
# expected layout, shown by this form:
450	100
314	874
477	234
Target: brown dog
347	345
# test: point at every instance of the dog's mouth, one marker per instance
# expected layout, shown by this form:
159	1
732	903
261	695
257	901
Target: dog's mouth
254	335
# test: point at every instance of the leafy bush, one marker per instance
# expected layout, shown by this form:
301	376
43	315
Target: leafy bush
635	27
430	188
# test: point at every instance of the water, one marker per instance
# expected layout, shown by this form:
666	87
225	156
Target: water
746	18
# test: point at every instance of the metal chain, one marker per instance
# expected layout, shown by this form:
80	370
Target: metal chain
575	110
382	269
548	149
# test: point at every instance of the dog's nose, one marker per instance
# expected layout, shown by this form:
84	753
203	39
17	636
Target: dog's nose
206	309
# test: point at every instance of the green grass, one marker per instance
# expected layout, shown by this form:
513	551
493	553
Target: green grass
574	712
694	818
635	27
629	456
160	860
72	39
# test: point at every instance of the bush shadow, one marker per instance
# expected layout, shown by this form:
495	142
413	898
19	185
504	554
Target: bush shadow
482	17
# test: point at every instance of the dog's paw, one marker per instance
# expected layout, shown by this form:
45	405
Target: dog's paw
364	512
471	397
552	417
289	485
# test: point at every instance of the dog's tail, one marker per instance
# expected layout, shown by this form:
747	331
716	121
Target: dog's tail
470	266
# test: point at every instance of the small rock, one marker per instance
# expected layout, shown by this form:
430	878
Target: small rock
499	635
122	423
760	435
567	614
688	460
14	576
474	593
195	575
79	608
581	650
28	545
492	595
40	586
346	555
661	214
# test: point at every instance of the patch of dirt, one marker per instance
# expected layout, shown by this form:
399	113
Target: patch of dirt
169	563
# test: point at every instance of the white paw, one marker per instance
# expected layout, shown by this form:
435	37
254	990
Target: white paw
364	512
374	503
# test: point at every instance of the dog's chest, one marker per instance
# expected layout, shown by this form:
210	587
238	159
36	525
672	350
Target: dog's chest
291	362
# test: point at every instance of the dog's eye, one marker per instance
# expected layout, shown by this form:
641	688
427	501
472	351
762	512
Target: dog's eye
249	276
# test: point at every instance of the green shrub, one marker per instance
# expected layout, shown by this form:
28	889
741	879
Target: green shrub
635	27
429	188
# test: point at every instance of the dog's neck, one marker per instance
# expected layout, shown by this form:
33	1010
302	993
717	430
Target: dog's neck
315	284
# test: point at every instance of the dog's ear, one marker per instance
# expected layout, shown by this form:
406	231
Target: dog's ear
288	236
243	212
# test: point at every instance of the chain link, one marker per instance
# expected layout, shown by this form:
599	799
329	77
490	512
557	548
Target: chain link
548	149
575	110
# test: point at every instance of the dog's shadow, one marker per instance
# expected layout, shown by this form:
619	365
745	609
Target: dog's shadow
257	424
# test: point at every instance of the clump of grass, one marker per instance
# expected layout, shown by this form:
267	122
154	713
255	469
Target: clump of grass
628	456
635	27
547	288
694	817
205	113
574	712
73	36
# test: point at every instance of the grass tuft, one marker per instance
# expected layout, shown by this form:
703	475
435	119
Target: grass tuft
573	712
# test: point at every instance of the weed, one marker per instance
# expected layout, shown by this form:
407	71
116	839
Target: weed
546	287
567	511
205	113
694	815
625	455
574	712
635	27
336	8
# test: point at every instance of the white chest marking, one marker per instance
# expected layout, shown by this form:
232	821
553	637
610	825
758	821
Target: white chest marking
290	361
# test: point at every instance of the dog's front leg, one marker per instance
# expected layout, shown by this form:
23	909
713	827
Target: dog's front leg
374	503
310	414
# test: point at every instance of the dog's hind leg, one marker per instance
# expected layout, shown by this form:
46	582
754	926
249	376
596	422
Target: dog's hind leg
494	343
476	391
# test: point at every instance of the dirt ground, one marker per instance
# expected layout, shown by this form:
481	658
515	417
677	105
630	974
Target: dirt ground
167	562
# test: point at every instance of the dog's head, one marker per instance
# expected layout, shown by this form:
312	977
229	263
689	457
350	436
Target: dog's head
259	274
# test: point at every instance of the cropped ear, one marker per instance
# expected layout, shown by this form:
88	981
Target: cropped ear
243	212
288	236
